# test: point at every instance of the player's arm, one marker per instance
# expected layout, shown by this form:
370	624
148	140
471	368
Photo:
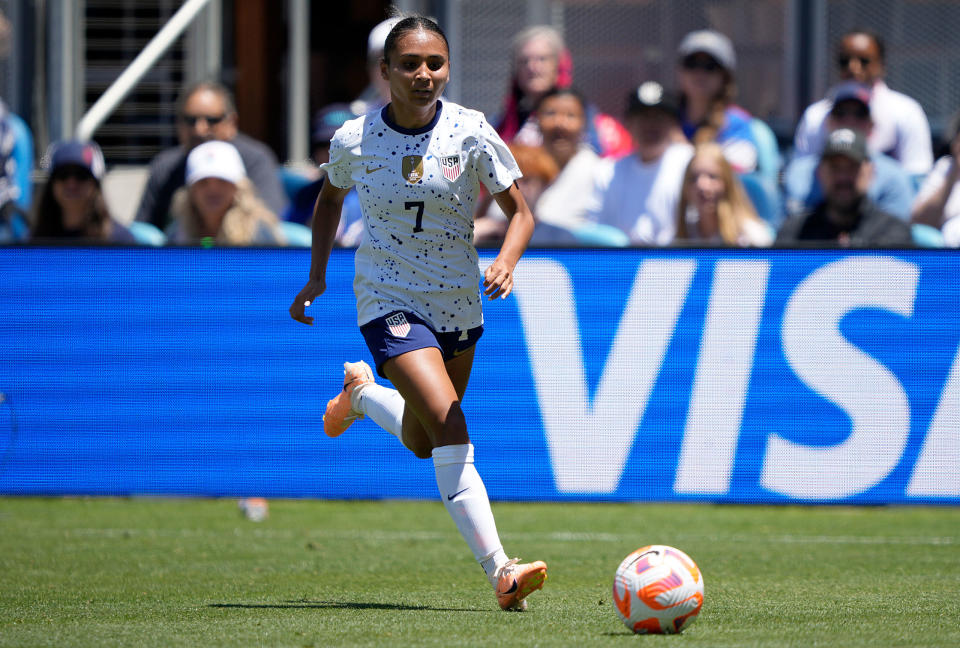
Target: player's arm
326	217
498	278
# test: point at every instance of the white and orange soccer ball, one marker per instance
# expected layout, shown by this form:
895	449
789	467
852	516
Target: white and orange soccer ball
658	589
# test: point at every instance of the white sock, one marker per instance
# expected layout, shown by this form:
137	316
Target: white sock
383	405
465	498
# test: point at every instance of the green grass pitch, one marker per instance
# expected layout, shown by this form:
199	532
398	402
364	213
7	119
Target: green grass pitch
193	572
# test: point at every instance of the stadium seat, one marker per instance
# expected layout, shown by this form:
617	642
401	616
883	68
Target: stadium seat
926	236
293	180
147	234
769	160
765	198
13	225
600	235
297	235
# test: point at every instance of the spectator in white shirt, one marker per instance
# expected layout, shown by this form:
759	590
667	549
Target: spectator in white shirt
639	193
938	201
900	127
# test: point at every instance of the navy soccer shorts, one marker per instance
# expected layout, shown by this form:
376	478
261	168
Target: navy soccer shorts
400	332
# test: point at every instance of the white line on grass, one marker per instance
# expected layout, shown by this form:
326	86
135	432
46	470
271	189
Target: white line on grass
381	535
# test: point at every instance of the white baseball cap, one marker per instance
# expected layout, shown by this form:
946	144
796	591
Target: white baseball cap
378	36
215	159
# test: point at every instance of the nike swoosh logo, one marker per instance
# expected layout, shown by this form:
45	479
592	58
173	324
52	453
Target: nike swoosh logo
369	170
450	497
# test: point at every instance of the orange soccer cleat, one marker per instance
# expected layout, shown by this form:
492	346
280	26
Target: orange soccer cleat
516	581
340	413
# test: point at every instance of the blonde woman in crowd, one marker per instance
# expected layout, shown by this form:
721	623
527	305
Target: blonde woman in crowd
219	204
714	207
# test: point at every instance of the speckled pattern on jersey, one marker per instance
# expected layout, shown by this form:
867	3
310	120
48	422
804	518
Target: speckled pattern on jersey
417	190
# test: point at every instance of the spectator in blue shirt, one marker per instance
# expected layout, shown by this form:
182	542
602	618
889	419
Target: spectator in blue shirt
891	188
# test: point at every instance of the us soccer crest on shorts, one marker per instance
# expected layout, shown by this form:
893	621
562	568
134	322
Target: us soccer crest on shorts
398	325
450	166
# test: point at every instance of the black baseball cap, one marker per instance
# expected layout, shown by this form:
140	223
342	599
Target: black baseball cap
650	95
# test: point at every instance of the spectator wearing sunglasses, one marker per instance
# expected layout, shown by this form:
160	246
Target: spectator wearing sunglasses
206	112
900	127
891	187
707	89
71	206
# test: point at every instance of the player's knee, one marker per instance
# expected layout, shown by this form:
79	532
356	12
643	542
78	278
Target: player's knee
418	444
423	452
453	428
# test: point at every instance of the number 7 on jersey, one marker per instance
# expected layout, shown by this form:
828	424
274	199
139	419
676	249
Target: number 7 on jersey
418	204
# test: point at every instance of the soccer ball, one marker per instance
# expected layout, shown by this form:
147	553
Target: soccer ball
658	589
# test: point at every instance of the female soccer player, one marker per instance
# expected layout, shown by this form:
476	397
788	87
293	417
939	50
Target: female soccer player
417	165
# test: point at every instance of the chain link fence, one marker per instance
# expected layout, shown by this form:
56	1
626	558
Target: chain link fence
784	48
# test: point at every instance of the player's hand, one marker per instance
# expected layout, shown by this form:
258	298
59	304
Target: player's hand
313	289
498	279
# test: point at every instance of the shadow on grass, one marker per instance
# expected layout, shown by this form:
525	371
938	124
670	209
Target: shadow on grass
339	605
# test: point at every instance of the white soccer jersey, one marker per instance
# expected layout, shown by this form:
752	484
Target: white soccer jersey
417	190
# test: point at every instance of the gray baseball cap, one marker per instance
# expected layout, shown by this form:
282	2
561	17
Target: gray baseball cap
847	142
709	42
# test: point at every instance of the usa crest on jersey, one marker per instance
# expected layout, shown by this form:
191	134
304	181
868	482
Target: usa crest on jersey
398	324
450	166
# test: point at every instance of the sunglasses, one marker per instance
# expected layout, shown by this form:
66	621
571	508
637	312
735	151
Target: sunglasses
75	172
212	120
704	63
843	61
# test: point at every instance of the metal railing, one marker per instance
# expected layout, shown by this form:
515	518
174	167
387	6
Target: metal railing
297	113
148	57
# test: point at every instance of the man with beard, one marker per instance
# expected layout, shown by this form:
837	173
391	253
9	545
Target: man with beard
846	217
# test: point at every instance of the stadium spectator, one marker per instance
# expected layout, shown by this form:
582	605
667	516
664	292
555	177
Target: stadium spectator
206	112
900	127
539	170
891	188
705	76
938	201
71	204
13	221
540	63
377	93
562	115
638	194
325	123
219	205
560	205
846	217
714	207
16	155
